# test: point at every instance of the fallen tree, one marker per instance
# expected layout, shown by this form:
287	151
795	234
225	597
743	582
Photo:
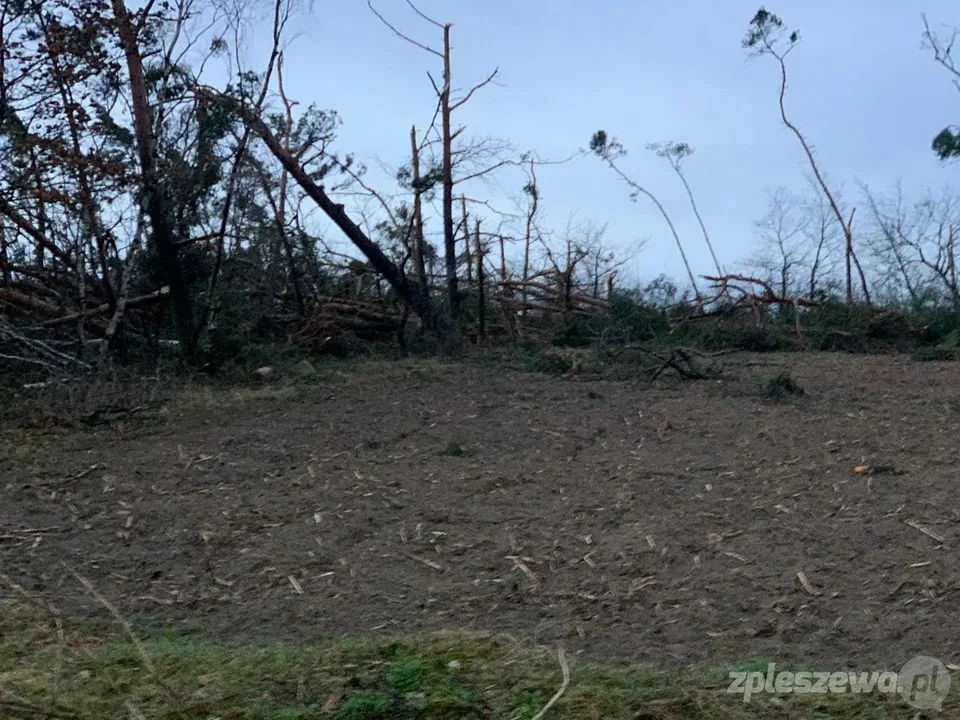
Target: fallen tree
410	293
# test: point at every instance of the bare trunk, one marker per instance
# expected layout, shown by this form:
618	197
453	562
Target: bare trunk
382	264
952	267
808	151
856	260
503	260
449	239
418	249
696	213
467	238
481	298
528	231
152	197
815	266
124	293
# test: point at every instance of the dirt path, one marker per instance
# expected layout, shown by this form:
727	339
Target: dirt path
663	524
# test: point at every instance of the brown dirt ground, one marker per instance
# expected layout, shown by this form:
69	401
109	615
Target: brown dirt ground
664	523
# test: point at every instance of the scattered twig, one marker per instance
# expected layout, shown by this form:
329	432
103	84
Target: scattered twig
522	567
128	629
429	563
13	706
565	669
805	584
926	531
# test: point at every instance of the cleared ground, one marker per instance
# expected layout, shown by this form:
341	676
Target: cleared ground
662	523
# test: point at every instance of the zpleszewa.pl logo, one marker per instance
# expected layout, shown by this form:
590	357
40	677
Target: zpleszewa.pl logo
923	682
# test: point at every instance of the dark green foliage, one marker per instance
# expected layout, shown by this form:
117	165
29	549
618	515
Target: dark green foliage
781	387
633	321
606	147
406	675
729	334
578	331
452	449
937	353
365	706
628	321
947	143
764	31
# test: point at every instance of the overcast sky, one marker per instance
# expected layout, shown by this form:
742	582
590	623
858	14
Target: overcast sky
861	87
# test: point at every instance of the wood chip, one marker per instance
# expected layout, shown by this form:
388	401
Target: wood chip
926	531
522	567
805	584
428	563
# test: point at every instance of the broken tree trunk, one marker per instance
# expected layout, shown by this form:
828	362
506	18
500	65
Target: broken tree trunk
152	195
411	294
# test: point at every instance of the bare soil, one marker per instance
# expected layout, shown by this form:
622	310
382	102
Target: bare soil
663	523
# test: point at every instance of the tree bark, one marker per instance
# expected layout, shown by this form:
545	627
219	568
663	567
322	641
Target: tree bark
152	195
449	239
481	292
418	249
417	299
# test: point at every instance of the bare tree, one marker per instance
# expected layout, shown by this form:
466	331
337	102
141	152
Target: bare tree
447	106
784	251
920	243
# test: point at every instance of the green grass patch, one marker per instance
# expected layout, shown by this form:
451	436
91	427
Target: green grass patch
91	673
452	449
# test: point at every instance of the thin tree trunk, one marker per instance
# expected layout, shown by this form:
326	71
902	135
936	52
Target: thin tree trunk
528	231
503	260
418	249
481	298
696	213
124	293
808	151
856	260
449	239
466	239
382	264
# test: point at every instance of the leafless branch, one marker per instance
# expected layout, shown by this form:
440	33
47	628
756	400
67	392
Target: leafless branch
471	91
424	16
400	34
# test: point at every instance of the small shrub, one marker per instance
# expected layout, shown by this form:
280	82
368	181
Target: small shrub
579	331
364	706
527	704
756	339
550	363
452	449
937	353
842	341
781	387
406	676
